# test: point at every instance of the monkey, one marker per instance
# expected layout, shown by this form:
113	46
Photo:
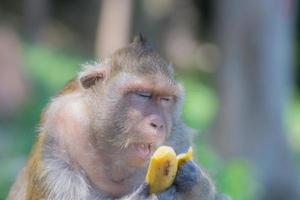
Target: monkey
98	132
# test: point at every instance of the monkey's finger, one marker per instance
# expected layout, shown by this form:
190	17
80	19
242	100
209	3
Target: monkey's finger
187	176
143	190
141	193
168	194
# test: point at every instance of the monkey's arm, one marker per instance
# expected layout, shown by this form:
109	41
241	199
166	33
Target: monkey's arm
192	183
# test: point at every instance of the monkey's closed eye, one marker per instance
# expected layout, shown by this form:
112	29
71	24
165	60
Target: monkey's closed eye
144	94
166	99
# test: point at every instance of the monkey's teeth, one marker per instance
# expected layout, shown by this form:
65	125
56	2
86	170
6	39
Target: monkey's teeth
143	148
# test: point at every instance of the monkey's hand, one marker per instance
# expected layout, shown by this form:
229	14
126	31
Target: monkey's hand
191	183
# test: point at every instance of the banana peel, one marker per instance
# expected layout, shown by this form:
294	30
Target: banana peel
181	158
163	168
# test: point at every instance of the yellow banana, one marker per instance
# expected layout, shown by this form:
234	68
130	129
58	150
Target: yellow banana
163	168
181	158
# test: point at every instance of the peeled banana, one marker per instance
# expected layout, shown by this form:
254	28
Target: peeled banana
163	168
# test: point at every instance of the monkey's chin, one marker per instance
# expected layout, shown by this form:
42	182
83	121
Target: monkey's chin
140	153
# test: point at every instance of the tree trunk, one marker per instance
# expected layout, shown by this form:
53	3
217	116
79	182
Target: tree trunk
36	15
255	38
13	85
114	26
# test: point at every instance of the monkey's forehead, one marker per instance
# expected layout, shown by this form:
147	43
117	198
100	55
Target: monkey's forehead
141	60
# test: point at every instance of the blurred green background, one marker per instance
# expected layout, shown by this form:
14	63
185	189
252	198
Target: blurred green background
53	43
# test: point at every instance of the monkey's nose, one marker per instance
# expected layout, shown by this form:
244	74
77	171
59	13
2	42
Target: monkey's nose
156	124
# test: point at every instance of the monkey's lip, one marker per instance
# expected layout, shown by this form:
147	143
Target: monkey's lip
143	150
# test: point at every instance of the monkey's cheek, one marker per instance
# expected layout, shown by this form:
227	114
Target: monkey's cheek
137	162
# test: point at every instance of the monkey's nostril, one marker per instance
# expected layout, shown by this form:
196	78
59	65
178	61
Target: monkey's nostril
153	125
157	126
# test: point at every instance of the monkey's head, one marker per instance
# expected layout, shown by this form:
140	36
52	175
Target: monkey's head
133	100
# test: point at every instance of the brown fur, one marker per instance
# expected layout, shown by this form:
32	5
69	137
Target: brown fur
29	176
33	191
70	87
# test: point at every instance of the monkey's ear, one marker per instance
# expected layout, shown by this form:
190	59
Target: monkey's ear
90	80
90	75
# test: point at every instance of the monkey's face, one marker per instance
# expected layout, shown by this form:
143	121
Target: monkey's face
140	111
133	96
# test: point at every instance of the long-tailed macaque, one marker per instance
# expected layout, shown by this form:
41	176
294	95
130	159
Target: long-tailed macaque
97	134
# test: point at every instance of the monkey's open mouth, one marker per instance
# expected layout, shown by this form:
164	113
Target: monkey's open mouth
143	150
